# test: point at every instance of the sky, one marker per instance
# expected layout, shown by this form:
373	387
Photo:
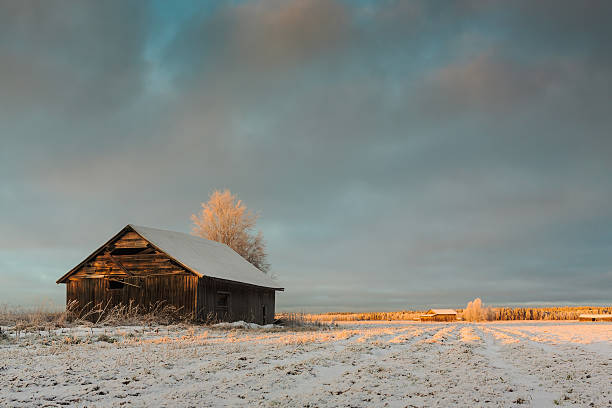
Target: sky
401	154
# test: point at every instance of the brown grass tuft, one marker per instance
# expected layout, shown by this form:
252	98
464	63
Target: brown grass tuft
298	320
160	313
356	317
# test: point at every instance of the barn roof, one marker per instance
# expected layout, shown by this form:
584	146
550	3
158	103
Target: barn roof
205	257
200	256
441	312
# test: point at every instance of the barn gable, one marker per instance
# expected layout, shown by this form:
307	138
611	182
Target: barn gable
126	255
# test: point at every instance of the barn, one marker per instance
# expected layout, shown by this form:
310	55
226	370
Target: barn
146	266
439	315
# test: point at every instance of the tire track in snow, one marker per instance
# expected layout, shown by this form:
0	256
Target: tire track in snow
343	369
571	375
526	386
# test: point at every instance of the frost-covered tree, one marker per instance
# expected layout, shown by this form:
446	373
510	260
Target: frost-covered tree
226	219
475	312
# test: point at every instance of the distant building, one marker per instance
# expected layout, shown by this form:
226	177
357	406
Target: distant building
439	315
595	317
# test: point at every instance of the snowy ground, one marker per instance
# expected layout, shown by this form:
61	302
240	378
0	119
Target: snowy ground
396	364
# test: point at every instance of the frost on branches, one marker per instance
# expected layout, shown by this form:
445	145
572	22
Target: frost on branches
226	219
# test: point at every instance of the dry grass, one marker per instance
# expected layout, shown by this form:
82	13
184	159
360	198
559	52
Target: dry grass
132	314
299	321
355	317
44	318
39	319
22	320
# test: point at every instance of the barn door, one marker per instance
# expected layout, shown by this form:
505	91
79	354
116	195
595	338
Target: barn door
115	288
264	314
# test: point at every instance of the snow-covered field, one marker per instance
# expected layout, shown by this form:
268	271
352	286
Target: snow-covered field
396	364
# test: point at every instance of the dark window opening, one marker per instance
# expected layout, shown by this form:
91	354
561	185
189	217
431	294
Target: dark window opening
114	285
127	251
223	300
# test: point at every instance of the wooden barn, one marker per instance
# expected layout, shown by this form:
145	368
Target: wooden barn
595	317
145	266
439	315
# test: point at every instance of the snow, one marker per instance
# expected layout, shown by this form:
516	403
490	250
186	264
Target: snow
395	364
243	325
205	257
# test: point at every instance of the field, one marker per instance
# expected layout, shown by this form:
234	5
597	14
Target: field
357	364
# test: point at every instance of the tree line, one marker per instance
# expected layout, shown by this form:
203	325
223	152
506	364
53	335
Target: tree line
546	313
475	311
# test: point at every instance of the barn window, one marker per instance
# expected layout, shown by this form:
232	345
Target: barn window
115	285
223	300
127	251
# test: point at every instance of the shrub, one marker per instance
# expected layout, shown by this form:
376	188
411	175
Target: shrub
106	338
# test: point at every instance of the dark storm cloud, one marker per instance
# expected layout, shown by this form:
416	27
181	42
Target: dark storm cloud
400	153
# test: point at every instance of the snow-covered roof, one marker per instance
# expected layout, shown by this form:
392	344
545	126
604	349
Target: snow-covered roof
441	312
205	257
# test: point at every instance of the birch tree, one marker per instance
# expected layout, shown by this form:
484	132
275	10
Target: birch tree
225	218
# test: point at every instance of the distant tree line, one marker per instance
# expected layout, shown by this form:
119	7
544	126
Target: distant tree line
546	313
475	311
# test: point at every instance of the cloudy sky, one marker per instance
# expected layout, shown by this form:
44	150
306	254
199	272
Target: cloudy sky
400	153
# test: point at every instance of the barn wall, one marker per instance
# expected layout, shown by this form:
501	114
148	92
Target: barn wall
439	318
150	278
245	302
177	290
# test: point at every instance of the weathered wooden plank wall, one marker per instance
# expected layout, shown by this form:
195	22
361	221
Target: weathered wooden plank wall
147	263
246	302
176	290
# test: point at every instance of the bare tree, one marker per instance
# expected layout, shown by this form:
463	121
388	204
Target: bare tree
475	312
226	219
